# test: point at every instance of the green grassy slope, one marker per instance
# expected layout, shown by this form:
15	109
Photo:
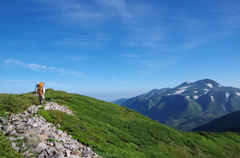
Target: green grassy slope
115	131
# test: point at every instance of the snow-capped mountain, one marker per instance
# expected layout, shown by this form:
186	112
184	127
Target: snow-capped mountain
188	105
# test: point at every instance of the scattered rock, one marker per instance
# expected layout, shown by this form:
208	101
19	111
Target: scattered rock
33	136
40	147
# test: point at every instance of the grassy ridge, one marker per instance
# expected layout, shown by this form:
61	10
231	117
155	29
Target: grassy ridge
115	131
16	102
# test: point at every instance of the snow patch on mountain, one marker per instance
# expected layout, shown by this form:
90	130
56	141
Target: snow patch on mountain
212	99
206	91
151	94
238	94
195	91
184	87
227	96
210	85
187	97
195	97
180	91
219	85
224	108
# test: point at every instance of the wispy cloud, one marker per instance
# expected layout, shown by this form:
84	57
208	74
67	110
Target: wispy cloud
85	40
229	14
143	24
74	73
38	67
133	17
190	44
15	81
29	66
145	37
150	60
97	11
131	55
117	8
80	14
223	19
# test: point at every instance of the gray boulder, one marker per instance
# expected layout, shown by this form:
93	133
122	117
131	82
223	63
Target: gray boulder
32	140
40	147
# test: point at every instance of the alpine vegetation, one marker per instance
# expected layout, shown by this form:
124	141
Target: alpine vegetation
76	126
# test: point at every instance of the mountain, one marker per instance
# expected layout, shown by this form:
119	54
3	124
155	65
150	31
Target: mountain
114	131
188	105
225	123
119	101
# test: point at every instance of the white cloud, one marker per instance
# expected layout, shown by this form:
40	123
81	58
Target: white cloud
43	67
28	66
144	24
135	18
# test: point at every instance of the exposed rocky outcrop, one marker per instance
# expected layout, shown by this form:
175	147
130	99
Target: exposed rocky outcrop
33	136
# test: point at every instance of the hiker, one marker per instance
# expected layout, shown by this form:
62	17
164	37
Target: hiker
40	90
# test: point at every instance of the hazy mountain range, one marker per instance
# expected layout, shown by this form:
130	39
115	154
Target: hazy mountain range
188	105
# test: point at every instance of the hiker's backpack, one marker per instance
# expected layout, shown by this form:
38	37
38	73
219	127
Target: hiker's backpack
40	88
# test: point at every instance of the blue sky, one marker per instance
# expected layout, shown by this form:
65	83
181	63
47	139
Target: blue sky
112	49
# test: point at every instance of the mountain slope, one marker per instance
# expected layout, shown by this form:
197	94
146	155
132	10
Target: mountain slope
115	131
119	101
225	123
188	105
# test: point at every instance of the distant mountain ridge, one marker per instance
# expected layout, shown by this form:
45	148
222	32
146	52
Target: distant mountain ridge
188	105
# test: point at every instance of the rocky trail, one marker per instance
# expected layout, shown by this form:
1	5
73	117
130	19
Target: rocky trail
32	136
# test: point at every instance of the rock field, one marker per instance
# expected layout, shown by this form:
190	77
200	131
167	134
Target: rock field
33	136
